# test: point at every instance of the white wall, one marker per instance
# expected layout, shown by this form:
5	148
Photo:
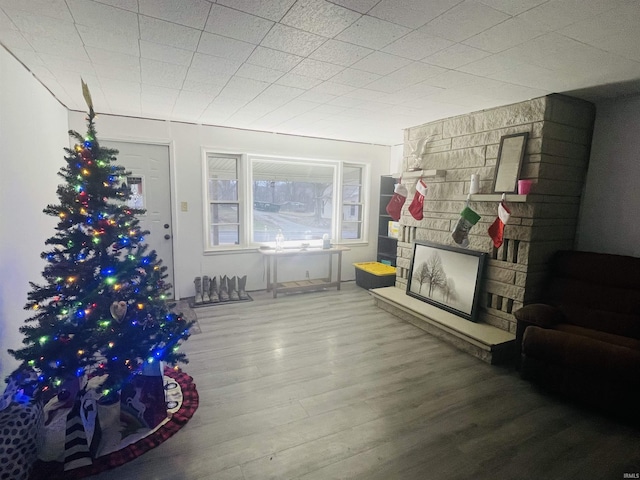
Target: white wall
609	220
33	132
186	142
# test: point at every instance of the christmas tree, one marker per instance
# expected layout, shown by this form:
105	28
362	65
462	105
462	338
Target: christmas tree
103	308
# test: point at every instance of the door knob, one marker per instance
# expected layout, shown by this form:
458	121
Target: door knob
167	236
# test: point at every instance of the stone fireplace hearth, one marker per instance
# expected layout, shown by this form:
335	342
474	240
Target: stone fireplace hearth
542	222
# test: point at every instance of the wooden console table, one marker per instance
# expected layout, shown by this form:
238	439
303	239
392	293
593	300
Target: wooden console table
272	256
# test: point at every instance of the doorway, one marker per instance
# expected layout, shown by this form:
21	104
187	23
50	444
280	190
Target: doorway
151	187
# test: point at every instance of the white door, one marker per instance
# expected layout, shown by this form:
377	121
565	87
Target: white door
150	182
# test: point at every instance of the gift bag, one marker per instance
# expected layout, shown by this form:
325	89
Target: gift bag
143	396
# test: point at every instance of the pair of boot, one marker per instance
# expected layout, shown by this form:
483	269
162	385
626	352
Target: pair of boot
231	289
206	290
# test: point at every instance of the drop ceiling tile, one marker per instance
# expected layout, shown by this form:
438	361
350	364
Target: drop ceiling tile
194	98
266	103
114	87
165	53
298	81
512	7
505	92
131	5
14	41
131	99
316	69
166	33
171	94
360	6
372	32
319	17
213	66
49	8
257	72
267	57
534	76
235	24
381	63
205	88
417	45
271	9
42	26
6	23
456	56
556	14
340	53
346	102
30	58
316	97
464	20
111	58
106	72
408	95
451	79
615	31
93	14
333	88
405	77
557	52
453	96
59	65
197	78
506	35
355	78
52	46
411	13
190	13
244	88
224	47
283	92
493	64
327	109
363	94
292	40
162	74
109	40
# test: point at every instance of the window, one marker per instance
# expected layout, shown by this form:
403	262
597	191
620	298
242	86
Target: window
223	213
293	197
305	199
352	205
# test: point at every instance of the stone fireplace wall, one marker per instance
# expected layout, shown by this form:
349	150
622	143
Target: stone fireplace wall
556	159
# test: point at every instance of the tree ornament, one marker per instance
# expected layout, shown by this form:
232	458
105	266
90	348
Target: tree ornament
118	310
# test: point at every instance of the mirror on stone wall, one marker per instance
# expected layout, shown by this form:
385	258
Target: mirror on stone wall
510	155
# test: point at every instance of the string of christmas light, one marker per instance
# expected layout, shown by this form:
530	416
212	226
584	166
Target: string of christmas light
97	259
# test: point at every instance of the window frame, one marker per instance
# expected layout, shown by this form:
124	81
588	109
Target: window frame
207	202
363	203
245	197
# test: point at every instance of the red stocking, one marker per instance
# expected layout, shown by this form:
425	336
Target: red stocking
417	204
496	230
394	208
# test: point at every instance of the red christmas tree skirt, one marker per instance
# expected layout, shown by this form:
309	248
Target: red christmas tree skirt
133	447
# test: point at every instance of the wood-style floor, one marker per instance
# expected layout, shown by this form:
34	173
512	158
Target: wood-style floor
325	385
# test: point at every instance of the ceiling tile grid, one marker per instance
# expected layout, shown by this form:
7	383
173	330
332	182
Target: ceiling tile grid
357	70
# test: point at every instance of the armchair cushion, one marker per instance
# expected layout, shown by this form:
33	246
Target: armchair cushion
583	339
540	314
598	357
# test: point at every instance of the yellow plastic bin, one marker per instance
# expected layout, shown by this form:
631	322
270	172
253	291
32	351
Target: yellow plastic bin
374	275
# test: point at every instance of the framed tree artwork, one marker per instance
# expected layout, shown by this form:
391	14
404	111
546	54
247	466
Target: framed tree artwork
447	277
